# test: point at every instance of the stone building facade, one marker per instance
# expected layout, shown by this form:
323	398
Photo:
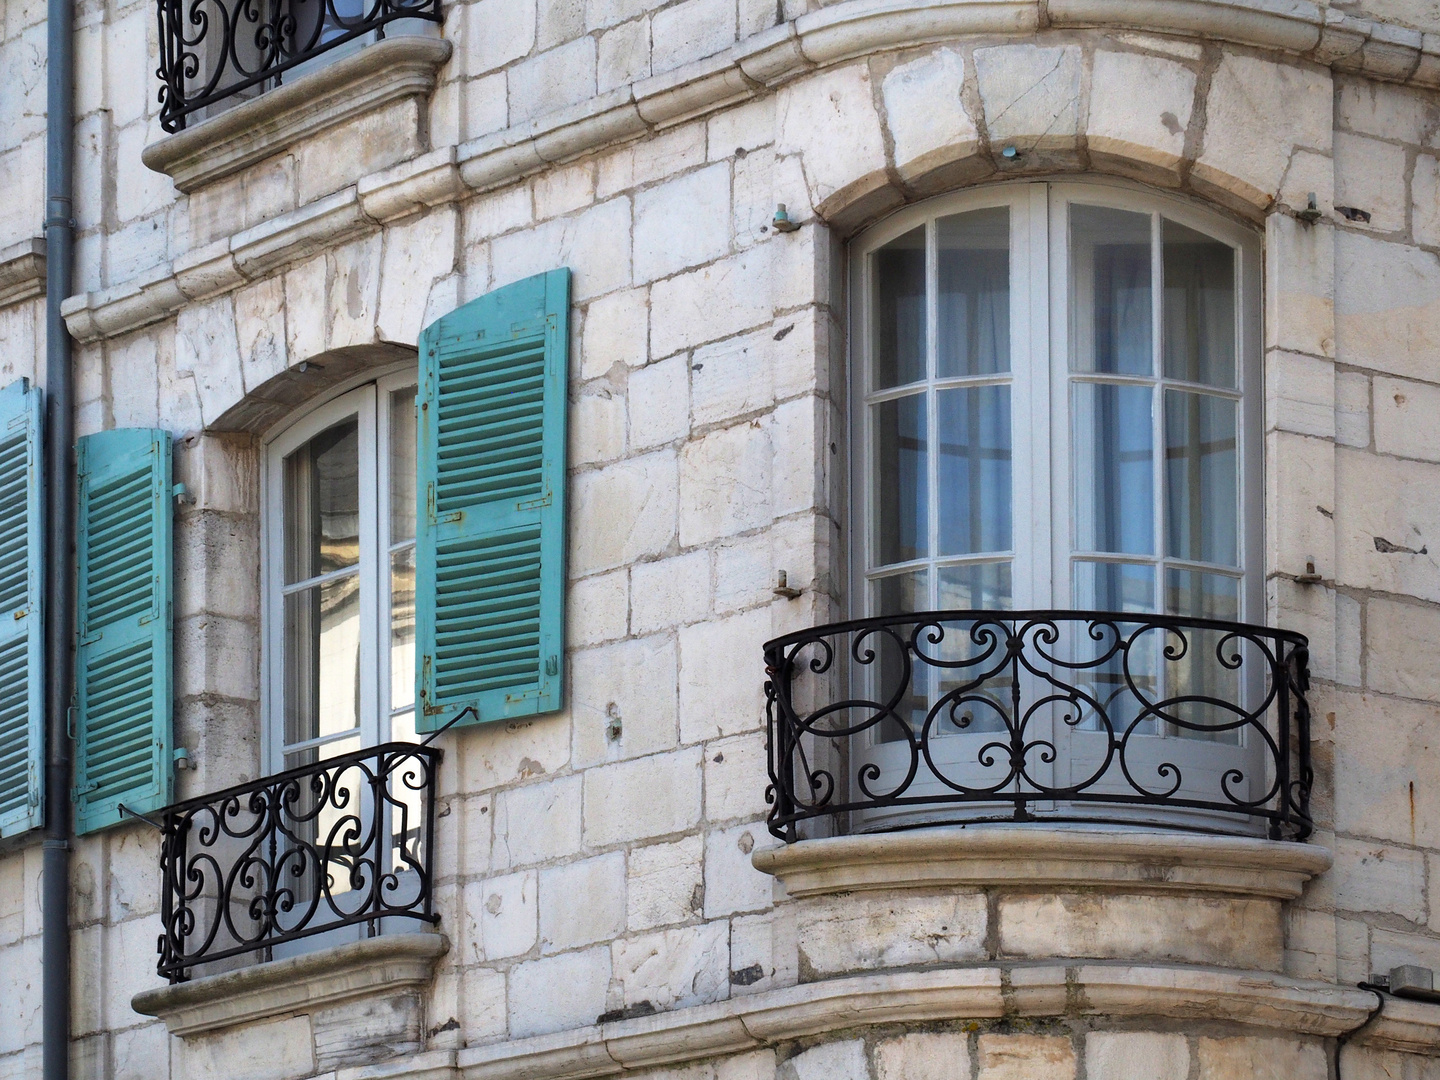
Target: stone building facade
609	897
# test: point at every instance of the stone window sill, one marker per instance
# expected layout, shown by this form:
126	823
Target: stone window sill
388	964
22	271
387	71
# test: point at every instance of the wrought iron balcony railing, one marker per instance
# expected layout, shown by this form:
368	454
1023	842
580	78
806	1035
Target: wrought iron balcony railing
211	50
345	842
967	716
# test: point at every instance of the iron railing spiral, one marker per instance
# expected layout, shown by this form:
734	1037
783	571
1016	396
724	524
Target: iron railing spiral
347	841
1066	716
211	50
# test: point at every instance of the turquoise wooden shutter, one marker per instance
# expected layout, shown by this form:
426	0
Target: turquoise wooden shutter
122	666
22	627
490	559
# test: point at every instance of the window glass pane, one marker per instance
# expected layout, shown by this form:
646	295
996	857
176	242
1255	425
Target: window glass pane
1199	319
975	587
1101	586
1117	587
1114	485
974	466
899	594
322	503
402	465
1200	476
974	301
402	628
1110	290
898	311
901	511
1202	596
322	659
1204	668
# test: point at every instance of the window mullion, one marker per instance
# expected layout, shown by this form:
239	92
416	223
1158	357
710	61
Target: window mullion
932	410
1157	406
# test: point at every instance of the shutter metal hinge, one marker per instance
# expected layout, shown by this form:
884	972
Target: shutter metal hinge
91	638
182	495
34	786
552	665
533	504
85	789
21	613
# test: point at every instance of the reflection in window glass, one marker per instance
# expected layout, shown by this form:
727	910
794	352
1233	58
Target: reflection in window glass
974	293
402	465
975	587
1110	290
973	442
898	594
1200	674
1114	468
1201	505
898	312
322	659
402	628
901	504
322	504
1199	297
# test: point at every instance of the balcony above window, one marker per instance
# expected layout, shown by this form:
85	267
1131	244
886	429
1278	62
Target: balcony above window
930	718
212	51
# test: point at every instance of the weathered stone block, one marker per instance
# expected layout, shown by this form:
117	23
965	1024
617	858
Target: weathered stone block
1387	298
683	312
615	332
496	33
734	777
923	1057
276	1050
660	403
597	426
538	821
675	968
617	684
1299	394
651	796
1026	1057
582	902
1370	176
1374	877
1147	127
668	593
861	931
595	244
623	511
558	992
665	883
828	1061
925	114
725	483
716	696
690	31
552	79
684	222
732	883
623	55
1031	93
500	917
830	120
1385	516
1401	643
493	755
1263	1059
1139	1055
732	378
1352	408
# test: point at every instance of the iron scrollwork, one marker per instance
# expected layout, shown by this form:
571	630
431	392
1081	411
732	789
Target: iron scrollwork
213	49
1094	717
344	842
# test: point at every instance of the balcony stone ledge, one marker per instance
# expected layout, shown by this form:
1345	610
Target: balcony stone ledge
1037	857
222	145
389	965
968	894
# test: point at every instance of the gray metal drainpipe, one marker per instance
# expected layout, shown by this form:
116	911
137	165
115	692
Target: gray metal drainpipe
59	539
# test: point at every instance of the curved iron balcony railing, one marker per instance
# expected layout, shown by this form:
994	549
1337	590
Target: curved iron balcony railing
211	50
1066	716
332	847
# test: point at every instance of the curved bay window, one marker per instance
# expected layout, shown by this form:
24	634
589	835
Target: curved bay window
1056	408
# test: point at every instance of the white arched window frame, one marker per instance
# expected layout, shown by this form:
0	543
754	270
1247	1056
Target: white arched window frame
1013	449
337	563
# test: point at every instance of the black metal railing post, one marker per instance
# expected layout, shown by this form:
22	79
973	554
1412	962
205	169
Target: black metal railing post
1067	716
308	851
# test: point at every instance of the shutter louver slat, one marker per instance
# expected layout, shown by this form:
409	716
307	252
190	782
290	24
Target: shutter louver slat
490	542
21	622
123	665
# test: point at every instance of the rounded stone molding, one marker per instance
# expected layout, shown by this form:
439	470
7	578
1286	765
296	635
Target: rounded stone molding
996	892
1034	857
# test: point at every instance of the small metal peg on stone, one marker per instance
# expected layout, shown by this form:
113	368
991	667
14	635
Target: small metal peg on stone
1310	577
782	587
782	220
1010	153
1311	213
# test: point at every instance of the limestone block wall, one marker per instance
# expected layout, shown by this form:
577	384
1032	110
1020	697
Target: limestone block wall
598	861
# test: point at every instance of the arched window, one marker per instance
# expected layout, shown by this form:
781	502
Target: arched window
1055	404
339	576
